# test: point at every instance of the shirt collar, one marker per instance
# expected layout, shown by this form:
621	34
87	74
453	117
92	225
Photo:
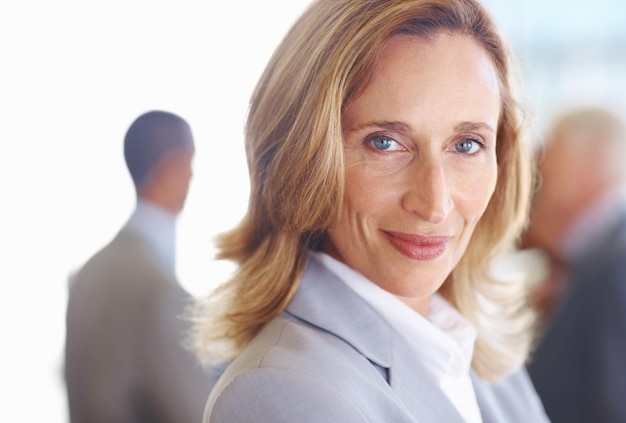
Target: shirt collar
157	227
444	341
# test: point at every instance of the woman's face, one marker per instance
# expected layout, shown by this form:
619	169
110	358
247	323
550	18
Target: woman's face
420	156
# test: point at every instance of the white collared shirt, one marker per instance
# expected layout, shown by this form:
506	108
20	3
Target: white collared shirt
157	227
444	342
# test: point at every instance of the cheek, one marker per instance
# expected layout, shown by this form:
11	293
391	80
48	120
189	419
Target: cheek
180	183
474	194
367	193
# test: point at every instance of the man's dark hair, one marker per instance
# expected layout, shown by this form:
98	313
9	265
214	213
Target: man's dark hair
151	136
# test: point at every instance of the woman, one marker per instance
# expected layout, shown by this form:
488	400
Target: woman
387	171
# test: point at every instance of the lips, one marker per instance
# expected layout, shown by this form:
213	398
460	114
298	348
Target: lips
418	247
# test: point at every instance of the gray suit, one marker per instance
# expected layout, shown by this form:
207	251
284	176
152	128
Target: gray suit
579	367
123	358
331	358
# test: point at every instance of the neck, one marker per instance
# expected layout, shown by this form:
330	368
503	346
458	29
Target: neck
157	198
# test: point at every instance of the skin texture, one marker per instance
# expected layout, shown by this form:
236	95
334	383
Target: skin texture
420	156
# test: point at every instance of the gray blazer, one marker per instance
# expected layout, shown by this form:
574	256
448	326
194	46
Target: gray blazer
331	358
124	361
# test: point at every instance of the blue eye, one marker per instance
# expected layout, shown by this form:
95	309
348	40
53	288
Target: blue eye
383	143
467	146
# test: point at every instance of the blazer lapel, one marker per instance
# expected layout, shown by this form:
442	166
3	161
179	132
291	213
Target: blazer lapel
324	301
416	388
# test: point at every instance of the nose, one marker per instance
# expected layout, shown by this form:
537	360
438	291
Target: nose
427	194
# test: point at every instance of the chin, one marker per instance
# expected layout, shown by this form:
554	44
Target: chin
418	286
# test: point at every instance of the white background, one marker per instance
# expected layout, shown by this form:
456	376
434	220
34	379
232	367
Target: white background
73	76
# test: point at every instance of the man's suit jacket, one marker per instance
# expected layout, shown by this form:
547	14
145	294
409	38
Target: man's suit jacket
579	366
331	358
123	356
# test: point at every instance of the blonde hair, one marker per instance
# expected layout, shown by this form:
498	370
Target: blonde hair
295	158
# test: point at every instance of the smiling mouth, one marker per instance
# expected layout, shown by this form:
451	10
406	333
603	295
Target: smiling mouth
418	247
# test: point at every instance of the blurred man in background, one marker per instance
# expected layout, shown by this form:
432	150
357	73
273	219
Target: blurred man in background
579	219
124	359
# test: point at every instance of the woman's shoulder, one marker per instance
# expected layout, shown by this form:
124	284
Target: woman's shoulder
279	395
294	368
290	344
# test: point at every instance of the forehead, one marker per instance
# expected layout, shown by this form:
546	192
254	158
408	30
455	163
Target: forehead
452	54
450	73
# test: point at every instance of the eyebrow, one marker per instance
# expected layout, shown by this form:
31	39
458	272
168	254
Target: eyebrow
397	126
473	126
404	127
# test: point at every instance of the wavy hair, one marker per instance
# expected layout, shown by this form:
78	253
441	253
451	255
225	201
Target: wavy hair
294	149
